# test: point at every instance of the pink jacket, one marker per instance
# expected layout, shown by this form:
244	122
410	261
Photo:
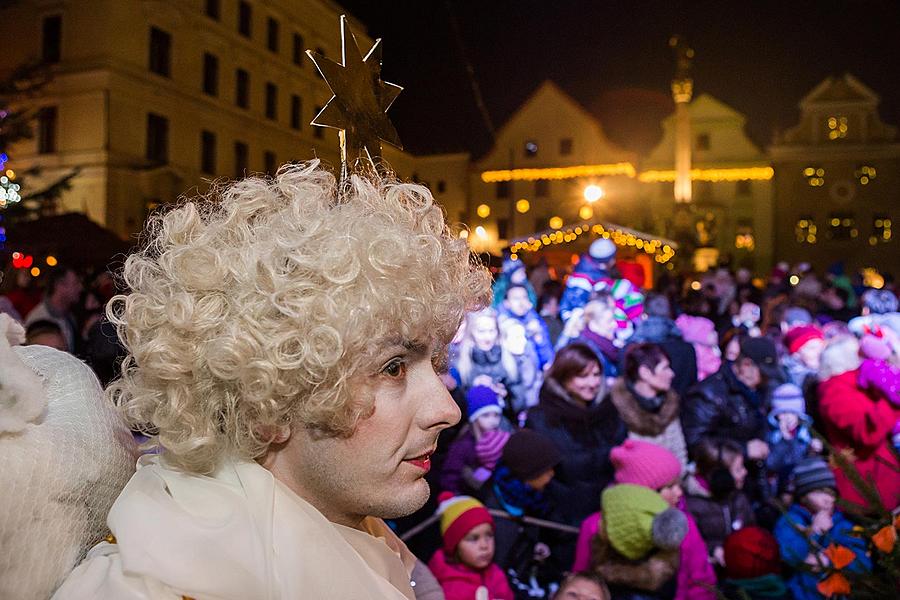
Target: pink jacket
460	582
696	579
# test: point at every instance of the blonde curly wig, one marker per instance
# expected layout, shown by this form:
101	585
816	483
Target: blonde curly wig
255	307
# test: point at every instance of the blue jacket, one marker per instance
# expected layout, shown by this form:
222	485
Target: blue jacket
795	547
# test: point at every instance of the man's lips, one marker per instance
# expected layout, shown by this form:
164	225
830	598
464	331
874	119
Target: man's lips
423	461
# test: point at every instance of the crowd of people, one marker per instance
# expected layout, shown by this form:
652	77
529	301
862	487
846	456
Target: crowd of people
671	442
713	435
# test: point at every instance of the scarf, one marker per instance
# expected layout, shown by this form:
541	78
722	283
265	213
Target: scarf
652	404
516	496
486	357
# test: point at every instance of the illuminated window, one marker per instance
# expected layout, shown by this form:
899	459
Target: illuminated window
806	230
743	236
541	188
837	127
531	149
865	174
842	226
565	146
881	229
815	176
703	141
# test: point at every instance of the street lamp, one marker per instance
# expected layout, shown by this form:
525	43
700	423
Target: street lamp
593	192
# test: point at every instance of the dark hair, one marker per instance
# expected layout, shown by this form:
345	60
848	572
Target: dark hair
642	355
55	277
571	361
586	576
710	454
41	327
512	287
734	332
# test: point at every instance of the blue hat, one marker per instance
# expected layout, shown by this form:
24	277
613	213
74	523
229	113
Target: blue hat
481	400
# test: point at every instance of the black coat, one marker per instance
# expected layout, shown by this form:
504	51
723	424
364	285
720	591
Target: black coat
584	437
682	357
717	407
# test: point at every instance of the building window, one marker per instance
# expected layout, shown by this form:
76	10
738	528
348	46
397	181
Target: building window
318	132
743	236
815	176
837	127
245	19
160	52
240	159
540	223
842	226
208	152
269	163
743	187
157	139
47	122
702	141
806	230
504	189
881	229
531	149
297	51
565	146
51	39
541	188
320	51
865	174
441	186
213	9
242	88
502	229
210	74
271	101
296	112
272	34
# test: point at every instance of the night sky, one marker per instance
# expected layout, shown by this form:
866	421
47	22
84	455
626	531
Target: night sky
760	57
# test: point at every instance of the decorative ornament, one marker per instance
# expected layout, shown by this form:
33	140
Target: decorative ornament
360	102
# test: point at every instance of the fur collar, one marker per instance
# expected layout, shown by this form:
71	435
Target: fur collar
638	420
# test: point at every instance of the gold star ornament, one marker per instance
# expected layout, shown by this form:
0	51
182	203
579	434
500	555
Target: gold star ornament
361	99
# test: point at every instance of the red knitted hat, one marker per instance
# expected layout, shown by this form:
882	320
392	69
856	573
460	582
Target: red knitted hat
751	552
459	515
642	463
797	336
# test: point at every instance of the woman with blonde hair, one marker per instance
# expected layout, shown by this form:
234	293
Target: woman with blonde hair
482	358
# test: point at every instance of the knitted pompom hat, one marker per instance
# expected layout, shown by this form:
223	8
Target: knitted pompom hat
637	520
796	337
751	552
482	400
643	463
459	515
788	398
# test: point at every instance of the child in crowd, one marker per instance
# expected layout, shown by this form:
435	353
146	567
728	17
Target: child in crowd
701	333
804	344
464	566
582	585
636	549
811	525
753	566
714	496
642	463
789	439
524	393
472	457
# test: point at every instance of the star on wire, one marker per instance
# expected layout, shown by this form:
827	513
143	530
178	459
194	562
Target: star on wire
361	99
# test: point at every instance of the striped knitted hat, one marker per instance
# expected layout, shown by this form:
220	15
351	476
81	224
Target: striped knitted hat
459	515
812	474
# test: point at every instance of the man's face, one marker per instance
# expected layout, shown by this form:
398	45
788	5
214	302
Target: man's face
380	469
517	301
810	353
69	289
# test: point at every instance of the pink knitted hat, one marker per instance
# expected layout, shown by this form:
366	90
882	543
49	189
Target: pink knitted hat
642	463
697	330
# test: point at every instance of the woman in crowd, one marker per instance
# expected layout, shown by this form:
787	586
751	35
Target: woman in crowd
481	358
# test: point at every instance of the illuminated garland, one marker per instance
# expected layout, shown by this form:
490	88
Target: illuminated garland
661	250
739	174
622	168
9	190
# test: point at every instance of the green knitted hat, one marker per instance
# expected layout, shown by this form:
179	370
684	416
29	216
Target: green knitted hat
637	520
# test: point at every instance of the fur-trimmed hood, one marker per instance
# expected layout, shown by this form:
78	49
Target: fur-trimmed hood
650	574
638	420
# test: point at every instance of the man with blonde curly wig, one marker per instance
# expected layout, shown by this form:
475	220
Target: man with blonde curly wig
282	340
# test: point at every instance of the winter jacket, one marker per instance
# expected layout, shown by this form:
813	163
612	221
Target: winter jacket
650	578
861	422
793	534
460	582
662	427
717	519
694	570
523	394
584	437
537	333
767	587
723	408
460	465
489	363
784	454
882	378
682	357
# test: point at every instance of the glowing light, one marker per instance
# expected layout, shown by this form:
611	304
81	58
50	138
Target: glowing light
556	222
514	256
592	193
622	168
464	234
523	205
480	232
586	212
51	261
714	175
695	285
35	271
483	210
794	280
16	255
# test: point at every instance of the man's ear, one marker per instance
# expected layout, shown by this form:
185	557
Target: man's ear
275	434
645	372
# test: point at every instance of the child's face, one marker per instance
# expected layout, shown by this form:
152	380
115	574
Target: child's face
819	501
672	493
484	333
476	550
810	353
582	589
788	422
488	421
540	482
738	472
